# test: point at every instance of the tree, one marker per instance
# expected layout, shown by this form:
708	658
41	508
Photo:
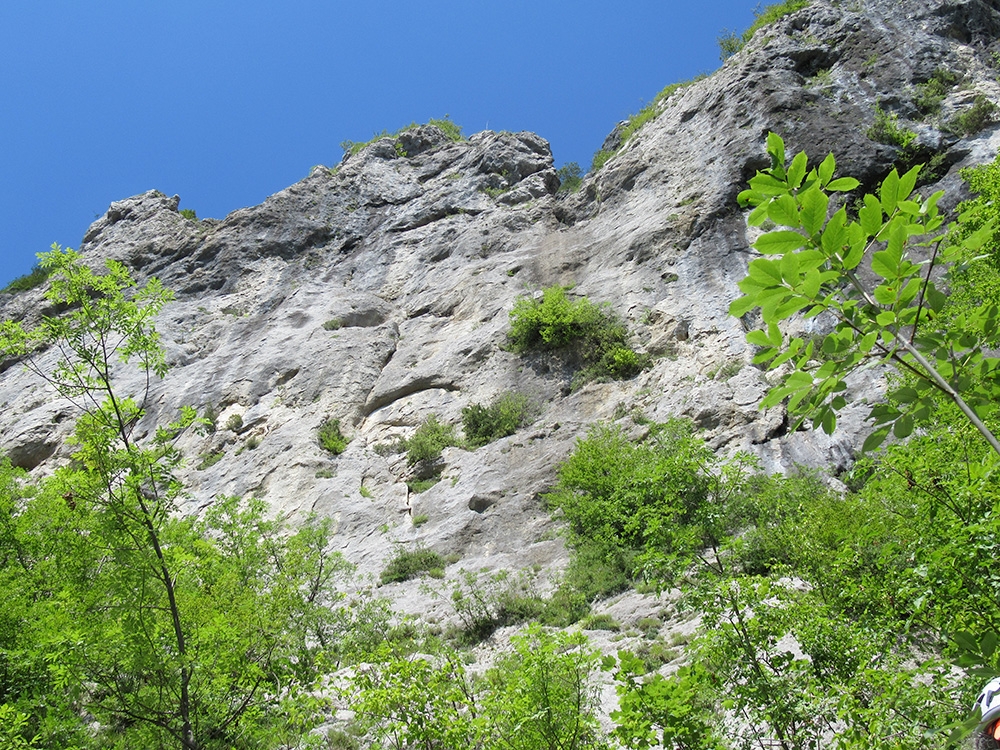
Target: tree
812	265
170	630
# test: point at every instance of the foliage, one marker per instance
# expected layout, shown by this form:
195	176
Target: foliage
590	333
971	121
600	159
414	702
932	92
663	711
886	129
407	564
430	439
485	602
731	42
570	177
331	438
189	214
167	630
645	509
209	460
417	486
504	416
813	268
541	695
35	277
451	131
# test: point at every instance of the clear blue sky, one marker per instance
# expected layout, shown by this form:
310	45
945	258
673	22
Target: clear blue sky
225	103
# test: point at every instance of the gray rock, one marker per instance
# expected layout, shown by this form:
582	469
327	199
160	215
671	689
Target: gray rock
378	293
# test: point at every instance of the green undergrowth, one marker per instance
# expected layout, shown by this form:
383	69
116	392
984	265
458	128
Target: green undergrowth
331	438
502	417
590	336
407	564
35	277
451	130
731	42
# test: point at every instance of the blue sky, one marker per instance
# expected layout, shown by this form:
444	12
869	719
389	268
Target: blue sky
225	103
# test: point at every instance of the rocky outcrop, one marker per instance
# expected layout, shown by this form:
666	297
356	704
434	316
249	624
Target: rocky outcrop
377	292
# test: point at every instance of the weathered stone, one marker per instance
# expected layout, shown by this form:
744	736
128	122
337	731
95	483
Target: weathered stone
378	293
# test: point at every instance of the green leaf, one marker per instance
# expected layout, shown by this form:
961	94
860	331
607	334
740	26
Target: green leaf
811	283
835	235
814	205
789	265
886	318
790	307
888	192
740	307
784	211
779	242
843	185
907	183
870	216
759	215
767	184
765	271
829	421
797	170
874	440
826	169
776	148
886	264
903	427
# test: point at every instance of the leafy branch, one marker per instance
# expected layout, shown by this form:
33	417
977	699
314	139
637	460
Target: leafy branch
811	266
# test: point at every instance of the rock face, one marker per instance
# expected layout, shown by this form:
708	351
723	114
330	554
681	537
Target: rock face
378	292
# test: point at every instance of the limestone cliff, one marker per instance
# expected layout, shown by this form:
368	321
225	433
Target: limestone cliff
377	292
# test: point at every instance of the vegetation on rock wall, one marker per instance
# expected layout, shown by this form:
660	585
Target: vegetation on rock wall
731	42
587	333
452	131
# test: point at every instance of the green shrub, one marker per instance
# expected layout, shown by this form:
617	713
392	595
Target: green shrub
932	92
886	129
623	499
332	325
30	280
602	621
600	159
730	42
409	564
590	333
622	363
452	131
556	322
503	417
416	486
570	177
331	438
486	602
971	121
429	440
209	459
209	419
234	423
189	214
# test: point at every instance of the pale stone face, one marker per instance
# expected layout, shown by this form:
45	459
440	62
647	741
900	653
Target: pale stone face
379	294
